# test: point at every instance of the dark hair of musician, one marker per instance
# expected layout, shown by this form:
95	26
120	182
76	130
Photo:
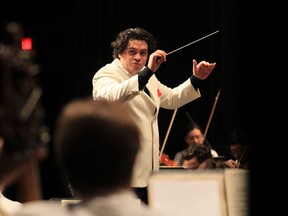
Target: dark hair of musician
201	152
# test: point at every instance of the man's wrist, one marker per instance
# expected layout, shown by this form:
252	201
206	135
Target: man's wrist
144	76
196	82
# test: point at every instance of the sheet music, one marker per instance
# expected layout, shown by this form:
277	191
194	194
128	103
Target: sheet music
187	193
237	191
201	193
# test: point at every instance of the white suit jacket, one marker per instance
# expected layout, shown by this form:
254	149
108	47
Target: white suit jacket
112	82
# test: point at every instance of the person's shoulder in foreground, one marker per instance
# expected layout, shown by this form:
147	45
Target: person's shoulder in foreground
8	206
43	208
114	205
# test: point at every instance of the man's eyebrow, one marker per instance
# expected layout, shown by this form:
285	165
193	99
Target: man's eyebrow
136	49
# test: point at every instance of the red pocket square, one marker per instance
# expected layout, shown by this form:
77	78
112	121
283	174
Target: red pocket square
158	92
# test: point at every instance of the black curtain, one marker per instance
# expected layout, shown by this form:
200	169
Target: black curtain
72	41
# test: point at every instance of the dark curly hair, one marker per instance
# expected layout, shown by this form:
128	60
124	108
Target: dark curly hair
201	152
122	39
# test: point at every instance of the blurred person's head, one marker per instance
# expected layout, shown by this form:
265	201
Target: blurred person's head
96	143
198	157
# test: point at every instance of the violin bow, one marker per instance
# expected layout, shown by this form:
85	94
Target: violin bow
241	157
167	133
211	114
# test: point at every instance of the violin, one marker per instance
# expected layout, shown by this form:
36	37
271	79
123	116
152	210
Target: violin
164	159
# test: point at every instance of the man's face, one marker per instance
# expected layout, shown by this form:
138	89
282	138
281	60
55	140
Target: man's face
236	150
194	136
191	164
135	56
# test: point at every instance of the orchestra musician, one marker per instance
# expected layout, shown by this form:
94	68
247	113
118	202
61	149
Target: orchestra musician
239	150
193	134
196	157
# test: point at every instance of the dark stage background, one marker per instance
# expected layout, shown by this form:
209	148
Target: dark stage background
72	41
